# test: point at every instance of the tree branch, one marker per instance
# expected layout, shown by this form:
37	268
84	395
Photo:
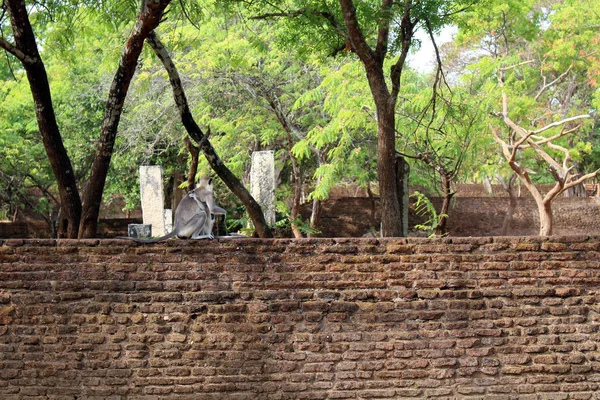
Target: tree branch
561	122
384	28
12	49
355	34
546	86
407	27
303	11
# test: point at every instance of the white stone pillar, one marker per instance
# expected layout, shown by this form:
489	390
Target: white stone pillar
262	183
152	195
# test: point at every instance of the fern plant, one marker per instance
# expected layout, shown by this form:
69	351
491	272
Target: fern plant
425	208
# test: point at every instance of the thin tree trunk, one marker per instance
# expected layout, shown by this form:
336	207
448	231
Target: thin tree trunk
26	51
442	229
315	215
545	210
512	203
372	219
402	176
233	183
297	176
149	18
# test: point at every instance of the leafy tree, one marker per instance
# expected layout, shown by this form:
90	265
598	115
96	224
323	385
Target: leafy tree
376	31
561	167
549	49
444	134
26	51
81	214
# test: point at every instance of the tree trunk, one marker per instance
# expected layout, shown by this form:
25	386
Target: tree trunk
315	215
297	177
402	174
149	18
545	211
233	183
391	215
385	103
373	212
441	229
512	203
27	52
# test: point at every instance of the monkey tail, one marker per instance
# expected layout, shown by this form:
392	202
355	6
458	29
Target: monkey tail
155	240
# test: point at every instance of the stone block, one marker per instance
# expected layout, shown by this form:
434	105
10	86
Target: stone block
139	230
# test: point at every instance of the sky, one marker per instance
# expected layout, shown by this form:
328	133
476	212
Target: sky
424	59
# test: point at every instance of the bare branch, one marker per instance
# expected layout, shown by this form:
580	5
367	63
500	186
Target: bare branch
281	14
581	179
542	140
516	65
187	15
438	58
567	158
303	11
525	135
546	86
561	122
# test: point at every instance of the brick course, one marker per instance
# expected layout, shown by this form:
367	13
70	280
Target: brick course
461	318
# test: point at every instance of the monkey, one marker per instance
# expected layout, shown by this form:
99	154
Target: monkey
194	215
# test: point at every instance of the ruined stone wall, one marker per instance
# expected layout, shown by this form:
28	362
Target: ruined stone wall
461	318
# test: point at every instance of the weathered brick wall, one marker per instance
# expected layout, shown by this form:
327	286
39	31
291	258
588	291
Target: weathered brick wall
461	318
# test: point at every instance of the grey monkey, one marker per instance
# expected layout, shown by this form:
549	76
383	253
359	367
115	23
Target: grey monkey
194	215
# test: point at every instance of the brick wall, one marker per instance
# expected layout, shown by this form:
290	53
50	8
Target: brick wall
462	318
468	216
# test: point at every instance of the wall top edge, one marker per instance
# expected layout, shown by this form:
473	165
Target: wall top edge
224	242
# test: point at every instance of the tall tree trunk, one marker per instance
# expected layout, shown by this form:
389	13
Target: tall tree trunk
26	51
391	216
385	101
233	183
149	18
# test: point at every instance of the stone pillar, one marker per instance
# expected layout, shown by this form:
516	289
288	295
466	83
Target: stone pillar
262	183
152	195
168	215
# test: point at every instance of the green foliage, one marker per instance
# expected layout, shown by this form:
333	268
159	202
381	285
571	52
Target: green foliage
536	43
424	208
23	161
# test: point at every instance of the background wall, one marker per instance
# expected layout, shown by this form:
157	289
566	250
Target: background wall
350	213
492	318
468	216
